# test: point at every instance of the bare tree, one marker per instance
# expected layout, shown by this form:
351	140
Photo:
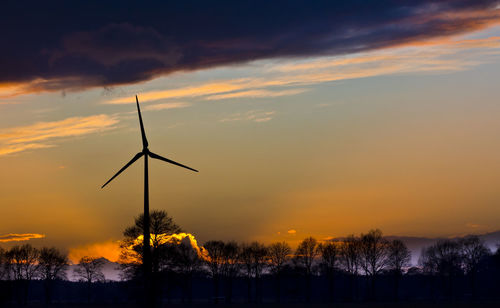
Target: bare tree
230	267
215	261
52	266
444	260
260	261
399	258
304	258
3	266
186	262
279	255
89	270
22	264
330	253
350	260
473	251
246	259
374	253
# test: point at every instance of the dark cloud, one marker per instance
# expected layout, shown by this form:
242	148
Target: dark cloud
77	44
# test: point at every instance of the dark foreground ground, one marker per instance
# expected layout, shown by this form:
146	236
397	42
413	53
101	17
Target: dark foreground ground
436	304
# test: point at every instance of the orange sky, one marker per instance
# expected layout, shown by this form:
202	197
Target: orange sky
402	139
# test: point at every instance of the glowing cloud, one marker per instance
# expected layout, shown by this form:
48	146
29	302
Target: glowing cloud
292	231
19	237
109	250
35	136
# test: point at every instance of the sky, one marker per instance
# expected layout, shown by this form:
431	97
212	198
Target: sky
304	118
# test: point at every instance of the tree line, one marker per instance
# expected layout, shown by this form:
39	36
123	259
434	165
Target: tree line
356	267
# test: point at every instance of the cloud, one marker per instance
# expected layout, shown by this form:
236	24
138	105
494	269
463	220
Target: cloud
292	231
441	56
252	115
36	136
173	105
18	237
256	94
108	249
117	47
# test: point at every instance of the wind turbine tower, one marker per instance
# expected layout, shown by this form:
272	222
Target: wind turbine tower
147	262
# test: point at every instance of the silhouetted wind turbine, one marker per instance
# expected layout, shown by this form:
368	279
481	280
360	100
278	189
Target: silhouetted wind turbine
146	153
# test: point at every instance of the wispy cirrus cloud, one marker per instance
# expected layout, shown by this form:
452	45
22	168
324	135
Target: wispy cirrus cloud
164	106
256	94
41	134
439	56
252	115
19	237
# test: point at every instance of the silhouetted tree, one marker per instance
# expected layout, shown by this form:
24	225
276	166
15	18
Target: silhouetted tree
246	259
399	258
304	259
22	263
89	270
254	258
3	265
374	255
161	226
230	267
260	261
215	260
330	253
52	266
186	262
444	260
279	255
350	260
472	252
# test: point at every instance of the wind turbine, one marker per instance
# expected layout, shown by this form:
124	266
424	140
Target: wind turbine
146	153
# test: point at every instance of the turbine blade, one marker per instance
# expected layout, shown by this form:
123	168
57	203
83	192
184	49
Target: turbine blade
153	155
136	157
143	133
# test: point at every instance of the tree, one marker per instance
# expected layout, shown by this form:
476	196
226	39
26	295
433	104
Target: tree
374	255
329	261
399	258
186	261
89	270
260	261
230	267
254	258
304	258
444	260
52	266
215	260
161	226
279	255
3	266
350	260
246	259
473	251
22	264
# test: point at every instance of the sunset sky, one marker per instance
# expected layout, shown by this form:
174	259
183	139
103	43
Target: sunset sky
304	118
